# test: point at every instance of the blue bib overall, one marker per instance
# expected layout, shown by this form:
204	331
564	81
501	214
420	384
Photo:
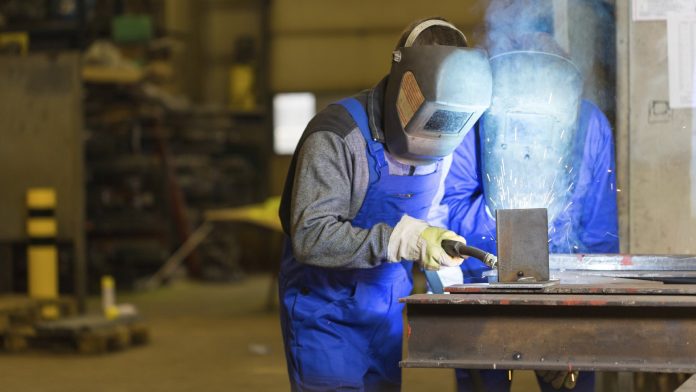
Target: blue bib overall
342	328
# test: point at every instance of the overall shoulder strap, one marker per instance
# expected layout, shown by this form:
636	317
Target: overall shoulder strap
357	111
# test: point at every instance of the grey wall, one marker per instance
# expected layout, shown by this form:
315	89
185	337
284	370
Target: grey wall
657	150
208	30
41	140
332	46
41	128
337	48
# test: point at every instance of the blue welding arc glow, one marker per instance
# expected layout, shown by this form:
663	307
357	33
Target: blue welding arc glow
529	133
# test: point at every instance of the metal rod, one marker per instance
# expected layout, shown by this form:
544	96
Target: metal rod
622	262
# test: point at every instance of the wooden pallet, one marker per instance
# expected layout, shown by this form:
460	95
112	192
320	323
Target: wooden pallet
17	311
22	327
112	339
91	334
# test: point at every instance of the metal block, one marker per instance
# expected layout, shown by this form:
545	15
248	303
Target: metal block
523	245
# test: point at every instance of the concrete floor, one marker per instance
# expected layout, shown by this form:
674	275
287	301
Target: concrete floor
205	337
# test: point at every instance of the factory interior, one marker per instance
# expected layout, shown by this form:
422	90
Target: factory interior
163	228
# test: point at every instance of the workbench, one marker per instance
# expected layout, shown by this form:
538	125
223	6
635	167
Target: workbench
636	327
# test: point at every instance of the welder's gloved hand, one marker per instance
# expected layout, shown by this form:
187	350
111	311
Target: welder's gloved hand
559	379
413	239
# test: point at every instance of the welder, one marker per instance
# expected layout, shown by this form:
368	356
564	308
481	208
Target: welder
360	185
539	145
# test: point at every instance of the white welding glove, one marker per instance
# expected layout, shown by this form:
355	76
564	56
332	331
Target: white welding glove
413	239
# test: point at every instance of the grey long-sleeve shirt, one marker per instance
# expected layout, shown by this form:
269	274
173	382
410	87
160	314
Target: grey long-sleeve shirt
326	186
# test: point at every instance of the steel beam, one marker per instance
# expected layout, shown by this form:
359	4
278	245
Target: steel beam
598	332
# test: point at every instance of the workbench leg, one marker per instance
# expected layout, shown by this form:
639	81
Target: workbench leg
626	382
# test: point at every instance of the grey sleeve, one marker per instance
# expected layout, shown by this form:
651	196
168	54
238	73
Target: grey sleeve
324	203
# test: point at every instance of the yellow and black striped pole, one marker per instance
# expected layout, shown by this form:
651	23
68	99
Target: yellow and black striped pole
42	253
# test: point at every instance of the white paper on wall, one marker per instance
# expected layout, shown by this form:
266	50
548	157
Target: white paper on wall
681	49
645	10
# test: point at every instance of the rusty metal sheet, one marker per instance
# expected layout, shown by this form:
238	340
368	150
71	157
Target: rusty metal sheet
523	250
552	332
571	300
596	277
528	285
682	277
651	288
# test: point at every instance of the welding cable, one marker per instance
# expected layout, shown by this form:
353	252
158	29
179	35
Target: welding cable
460	249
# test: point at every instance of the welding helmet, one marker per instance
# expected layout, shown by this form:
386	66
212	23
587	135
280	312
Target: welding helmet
434	95
530	154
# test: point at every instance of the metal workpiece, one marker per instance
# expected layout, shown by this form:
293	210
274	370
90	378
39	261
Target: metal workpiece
621	262
525	283
523	250
533	319
638	288
594	332
667	268
663	276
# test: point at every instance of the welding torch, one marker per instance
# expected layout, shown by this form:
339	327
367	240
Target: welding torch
460	249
